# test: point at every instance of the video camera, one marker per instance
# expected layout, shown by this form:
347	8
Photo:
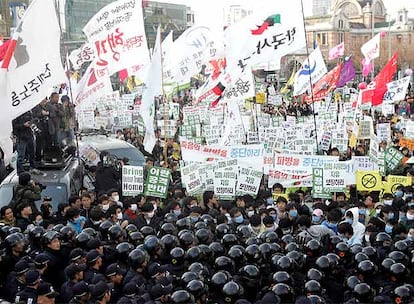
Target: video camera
110	161
34	127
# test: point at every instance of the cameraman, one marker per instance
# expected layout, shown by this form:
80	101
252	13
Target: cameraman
27	190
25	142
43	139
107	174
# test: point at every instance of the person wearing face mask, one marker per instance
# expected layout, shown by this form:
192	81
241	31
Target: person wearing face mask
332	219
131	211
104	202
408	221
410	237
307	230
237	218
351	217
387	199
273	213
195	213
292	209
317	217
116	216
147	218
114	197
75	220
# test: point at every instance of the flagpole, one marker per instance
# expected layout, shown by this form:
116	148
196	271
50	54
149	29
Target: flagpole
310	79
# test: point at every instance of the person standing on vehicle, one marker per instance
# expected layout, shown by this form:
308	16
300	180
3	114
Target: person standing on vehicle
25	141
43	140
68	120
55	115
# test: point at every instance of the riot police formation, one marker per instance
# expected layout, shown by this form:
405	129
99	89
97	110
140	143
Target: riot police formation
178	250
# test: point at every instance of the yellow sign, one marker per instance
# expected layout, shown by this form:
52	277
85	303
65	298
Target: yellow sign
277	195
393	181
369	181
352	141
261	97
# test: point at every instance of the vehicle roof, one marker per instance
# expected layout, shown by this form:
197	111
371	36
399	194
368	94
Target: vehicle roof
102	142
47	176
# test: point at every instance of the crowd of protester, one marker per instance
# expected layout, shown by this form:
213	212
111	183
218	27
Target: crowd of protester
283	246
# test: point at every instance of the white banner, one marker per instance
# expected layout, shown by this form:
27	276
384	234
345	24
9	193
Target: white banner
397	89
371	49
313	67
132	180
118	35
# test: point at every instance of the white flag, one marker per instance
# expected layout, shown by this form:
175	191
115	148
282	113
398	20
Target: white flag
397	90
85	53
312	68
167	44
185	58
153	88
371	49
118	35
265	36
91	87
33	62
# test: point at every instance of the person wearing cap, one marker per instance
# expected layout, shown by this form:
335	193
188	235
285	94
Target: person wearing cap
26	190
115	276
148	217
101	293
81	293
161	293
317	217
74	274
41	261
29	293
77	256
94	263
16	281
130	294
45	293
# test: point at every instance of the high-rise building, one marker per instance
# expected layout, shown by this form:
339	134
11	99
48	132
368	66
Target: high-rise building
321	7
11	12
235	13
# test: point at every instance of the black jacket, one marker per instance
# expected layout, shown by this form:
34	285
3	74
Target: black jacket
19	130
107	178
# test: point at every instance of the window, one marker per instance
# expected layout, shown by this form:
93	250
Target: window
341	37
322	38
158	11
341	24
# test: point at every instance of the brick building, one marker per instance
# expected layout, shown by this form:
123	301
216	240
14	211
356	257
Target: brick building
354	22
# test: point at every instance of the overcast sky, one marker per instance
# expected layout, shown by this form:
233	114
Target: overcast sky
210	12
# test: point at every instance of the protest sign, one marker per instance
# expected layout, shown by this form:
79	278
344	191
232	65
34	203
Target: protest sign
191	178
409	130
384	132
364	163
340	140
365	129
248	181
393	158
334	176
132	180
408	143
158	180
225	179
318	190
207	175
325	141
394	181
369	181
397	89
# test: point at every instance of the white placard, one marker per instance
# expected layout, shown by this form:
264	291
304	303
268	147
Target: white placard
132	180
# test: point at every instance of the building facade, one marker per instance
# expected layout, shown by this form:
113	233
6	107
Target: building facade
354	22
321	7
235	13
11	12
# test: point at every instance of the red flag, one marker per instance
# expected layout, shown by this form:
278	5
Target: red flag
3	49
325	85
123	74
377	88
383	78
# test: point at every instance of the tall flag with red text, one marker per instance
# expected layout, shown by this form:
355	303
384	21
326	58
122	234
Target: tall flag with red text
325	85
117	35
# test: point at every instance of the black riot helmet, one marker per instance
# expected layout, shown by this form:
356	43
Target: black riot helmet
314	274
137	258
177	255
363	293
284	292
182	296
313	287
282	277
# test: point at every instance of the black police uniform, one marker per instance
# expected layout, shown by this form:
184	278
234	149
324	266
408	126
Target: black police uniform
54	273
66	292
12	286
92	274
28	296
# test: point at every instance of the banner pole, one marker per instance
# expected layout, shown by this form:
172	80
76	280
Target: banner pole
310	80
